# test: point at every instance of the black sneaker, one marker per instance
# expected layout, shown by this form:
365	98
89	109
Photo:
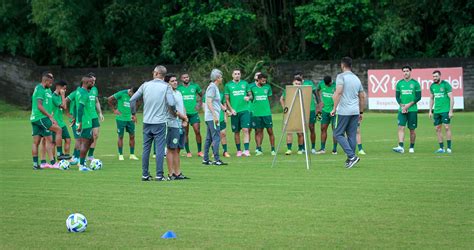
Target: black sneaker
180	177
172	177
37	167
352	162
160	178
147	178
204	162
64	157
219	163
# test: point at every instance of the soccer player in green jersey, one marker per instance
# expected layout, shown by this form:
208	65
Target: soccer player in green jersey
408	93
255	78
289	136
71	112
441	109
262	114
59	104
96	111
42	120
120	104
192	97
326	89
314	108
84	120
223	126
237	94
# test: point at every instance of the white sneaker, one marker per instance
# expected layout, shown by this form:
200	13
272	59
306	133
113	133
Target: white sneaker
448	150
440	151
362	152
134	157
121	158
411	150
313	151
398	149
274	153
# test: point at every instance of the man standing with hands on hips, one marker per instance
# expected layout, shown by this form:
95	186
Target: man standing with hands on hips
349	102
157	101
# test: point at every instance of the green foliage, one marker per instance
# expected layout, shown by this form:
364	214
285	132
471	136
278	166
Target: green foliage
134	32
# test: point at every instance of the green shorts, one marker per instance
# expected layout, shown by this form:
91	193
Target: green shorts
41	127
193	118
326	118
74	131
64	133
95	123
86	133
123	126
443	118
262	122
223	125
312	117
411	118
240	120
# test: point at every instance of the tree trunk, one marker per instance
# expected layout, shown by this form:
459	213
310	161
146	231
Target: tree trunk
213	46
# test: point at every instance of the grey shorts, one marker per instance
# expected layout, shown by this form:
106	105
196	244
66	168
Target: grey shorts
175	138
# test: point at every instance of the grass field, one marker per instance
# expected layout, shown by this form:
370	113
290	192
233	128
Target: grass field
388	200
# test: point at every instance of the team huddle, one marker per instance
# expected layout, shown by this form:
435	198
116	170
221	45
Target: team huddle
170	108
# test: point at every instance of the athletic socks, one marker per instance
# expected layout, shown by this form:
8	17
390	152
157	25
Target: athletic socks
120	150
300	147
76	153
313	145
59	151
400	144
334	147
224	147
186	146
52	162
91	152
246	146
273	148
412	145
238	146
288	145
43	161
82	161
441	145
199	147
132	150
35	161
323	145
449	144
259	149
359	146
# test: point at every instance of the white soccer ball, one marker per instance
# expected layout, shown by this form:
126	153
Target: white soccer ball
64	164
76	223
96	164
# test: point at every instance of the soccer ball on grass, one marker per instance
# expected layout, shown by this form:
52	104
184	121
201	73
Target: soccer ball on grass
96	164
76	223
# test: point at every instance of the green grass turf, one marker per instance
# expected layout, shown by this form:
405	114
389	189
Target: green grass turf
389	200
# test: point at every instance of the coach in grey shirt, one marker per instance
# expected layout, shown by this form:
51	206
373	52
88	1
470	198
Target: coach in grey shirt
157	100
349	102
212	109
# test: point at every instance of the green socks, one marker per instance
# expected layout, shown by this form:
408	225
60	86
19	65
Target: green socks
186	146
91	152
246	146
289	145
132	150
449	144
199	147
120	150
224	147
238	146
323	145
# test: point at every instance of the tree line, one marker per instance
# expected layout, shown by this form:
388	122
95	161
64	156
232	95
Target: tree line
98	33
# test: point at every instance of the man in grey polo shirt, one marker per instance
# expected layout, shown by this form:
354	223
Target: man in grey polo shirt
349	102
157	100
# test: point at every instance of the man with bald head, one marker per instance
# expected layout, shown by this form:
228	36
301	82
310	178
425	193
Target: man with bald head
158	100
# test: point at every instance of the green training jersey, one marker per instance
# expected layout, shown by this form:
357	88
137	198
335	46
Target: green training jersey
408	91
82	97
313	88
72	103
222	114
326	95
236	93
442	102
57	110
123	106
93	94
190	94
261	103
38	94
251	85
